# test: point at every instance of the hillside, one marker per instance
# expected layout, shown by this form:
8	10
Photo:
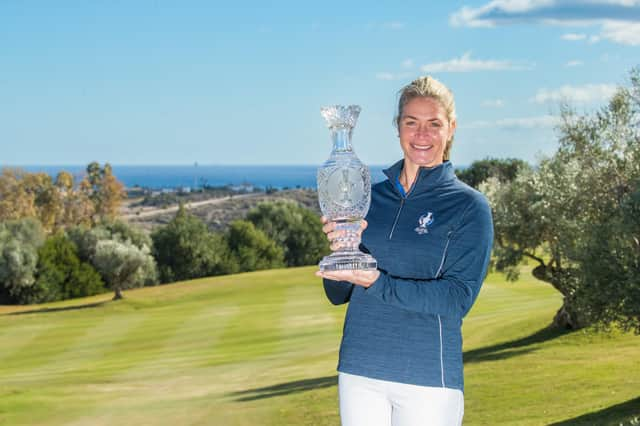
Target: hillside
261	349
218	212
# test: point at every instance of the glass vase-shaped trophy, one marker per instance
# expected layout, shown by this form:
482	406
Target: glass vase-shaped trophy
344	191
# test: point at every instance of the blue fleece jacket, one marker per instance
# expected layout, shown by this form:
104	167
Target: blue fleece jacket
433	247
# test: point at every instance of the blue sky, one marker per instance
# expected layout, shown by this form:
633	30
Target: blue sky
167	82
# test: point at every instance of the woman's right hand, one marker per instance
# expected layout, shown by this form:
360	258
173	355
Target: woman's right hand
333	234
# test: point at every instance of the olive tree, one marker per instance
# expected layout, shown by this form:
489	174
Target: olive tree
19	243
122	265
576	215
129	247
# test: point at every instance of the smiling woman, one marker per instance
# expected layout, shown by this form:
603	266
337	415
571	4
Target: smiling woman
401	352
426	123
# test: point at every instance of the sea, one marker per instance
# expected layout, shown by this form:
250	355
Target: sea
196	176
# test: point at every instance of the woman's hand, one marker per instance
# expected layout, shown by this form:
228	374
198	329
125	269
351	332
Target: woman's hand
361	278
333	234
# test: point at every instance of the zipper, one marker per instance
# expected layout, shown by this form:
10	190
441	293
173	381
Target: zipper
402	200
395	222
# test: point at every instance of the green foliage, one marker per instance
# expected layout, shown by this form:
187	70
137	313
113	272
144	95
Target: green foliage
85	239
577	215
19	243
61	274
122	264
252	248
122	231
185	249
130	245
297	230
505	170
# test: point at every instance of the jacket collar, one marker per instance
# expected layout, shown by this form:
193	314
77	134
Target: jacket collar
428	177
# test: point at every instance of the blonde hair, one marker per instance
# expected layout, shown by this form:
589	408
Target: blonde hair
428	87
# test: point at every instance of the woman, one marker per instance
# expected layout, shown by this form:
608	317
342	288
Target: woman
401	352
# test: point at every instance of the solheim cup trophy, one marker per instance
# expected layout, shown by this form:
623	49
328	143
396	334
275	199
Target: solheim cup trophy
344	191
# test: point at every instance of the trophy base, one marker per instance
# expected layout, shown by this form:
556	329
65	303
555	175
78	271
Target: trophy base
348	260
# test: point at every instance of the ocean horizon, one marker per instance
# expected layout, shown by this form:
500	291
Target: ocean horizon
196	176
192	176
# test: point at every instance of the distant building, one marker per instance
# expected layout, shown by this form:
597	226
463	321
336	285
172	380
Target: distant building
244	187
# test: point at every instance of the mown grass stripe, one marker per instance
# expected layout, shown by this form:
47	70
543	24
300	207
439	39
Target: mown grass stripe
16	337
253	332
38	352
78	361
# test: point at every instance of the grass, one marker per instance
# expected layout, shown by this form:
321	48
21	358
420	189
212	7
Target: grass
261	349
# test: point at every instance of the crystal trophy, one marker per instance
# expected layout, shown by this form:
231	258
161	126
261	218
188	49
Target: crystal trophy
344	192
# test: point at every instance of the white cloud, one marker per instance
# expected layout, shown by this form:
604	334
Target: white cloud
515	123
619	20
573	37
466	64
574	63
622	32
586	94
493	103
480	16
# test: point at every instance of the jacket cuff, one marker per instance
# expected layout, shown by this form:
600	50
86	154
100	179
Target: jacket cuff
378	286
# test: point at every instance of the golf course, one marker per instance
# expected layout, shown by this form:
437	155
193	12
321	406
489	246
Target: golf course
261	348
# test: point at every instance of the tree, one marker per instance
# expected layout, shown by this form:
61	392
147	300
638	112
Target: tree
60	273
185	249
64	181
252	248
19	243
576	215
57	205
15	201
611	266
297	230
77	207
505	170
121	264
46	198
104	190
130	241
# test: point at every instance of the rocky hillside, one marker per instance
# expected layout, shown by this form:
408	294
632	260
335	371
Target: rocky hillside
223	211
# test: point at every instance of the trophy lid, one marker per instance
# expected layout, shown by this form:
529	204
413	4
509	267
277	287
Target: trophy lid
340	116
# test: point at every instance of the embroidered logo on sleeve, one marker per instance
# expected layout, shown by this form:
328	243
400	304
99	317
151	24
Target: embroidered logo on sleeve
423	222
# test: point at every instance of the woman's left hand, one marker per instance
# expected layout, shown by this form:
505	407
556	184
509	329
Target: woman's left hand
361	278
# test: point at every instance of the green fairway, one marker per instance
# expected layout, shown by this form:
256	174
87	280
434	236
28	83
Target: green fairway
261	349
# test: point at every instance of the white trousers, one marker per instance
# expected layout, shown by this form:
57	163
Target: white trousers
372	402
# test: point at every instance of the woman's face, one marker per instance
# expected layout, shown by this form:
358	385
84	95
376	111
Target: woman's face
424	130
